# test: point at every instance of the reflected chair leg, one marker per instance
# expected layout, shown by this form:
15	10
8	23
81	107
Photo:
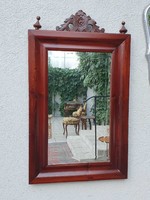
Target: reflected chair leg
90	124
78	126
82	123
75	126
66	131
77	129
85	124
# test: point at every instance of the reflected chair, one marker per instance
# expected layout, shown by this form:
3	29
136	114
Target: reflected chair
84	110
49	127
85	118
74	120
83	113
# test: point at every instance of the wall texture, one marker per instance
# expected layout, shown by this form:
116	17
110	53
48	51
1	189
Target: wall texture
16	18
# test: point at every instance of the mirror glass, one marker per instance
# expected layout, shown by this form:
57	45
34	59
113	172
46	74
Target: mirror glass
78	107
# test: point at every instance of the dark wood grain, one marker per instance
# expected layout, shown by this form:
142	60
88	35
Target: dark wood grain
39	44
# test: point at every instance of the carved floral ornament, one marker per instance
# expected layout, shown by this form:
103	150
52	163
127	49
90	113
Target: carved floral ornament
79	22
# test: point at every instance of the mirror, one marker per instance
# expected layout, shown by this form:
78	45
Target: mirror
78	81
147	33
78	89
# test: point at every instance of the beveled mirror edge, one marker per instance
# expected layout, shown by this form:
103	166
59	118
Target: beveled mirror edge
38	171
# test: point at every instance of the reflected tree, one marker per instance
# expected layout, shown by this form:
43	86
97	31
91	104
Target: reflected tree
67	84
95	74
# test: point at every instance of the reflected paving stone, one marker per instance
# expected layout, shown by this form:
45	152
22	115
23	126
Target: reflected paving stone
83	146
79	148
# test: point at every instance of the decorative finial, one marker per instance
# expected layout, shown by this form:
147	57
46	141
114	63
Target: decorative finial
123	29
37	25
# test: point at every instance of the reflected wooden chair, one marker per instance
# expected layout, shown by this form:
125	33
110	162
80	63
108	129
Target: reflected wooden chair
74	120
77	113
85	118
49	127
84	110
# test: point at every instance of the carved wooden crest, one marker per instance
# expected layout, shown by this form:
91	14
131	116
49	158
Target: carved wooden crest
80	22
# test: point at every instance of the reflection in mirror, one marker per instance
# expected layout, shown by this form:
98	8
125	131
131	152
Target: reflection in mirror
78	107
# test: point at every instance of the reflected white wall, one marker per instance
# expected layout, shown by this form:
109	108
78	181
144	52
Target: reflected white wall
63	59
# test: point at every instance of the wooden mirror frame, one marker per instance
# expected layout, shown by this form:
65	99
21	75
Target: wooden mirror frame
40	41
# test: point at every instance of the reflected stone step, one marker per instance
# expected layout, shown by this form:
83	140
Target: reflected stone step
89	139
83	145
79	148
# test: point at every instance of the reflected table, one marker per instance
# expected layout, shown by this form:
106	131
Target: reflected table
70	107
106	140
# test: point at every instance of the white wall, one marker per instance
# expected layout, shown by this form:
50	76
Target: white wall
16	18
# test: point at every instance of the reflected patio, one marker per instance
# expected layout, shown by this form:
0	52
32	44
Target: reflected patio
76	148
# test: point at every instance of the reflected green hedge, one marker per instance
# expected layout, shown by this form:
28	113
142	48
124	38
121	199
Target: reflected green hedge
67	84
